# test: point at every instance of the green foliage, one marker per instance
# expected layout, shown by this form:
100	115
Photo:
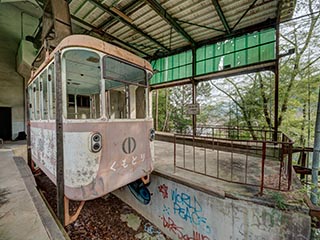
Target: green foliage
248	101
172	107
279	200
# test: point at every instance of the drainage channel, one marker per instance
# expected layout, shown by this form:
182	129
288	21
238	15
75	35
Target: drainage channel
103	218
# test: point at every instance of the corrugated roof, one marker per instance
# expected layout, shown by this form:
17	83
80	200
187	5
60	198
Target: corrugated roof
152	28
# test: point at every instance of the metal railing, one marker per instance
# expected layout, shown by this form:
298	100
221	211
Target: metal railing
263	163
237	132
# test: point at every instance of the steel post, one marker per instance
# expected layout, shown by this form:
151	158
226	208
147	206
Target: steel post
59	139
262	166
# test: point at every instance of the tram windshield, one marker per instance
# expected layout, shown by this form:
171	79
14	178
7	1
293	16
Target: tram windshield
125	89
83	77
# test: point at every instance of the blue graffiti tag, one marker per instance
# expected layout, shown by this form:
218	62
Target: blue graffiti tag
140	191
189	209
166	209
148	227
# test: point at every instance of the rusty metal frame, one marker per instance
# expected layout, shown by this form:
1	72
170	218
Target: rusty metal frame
68	219
59	140
27	106
276	71
280	151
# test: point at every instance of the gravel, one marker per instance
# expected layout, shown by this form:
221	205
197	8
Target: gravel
103	218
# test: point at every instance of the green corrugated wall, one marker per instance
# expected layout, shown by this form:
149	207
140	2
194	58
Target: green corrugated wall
235	52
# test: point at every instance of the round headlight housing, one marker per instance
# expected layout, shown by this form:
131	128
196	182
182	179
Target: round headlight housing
96	144
152	134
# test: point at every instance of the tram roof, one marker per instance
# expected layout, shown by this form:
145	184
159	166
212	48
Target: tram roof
95	44
157	28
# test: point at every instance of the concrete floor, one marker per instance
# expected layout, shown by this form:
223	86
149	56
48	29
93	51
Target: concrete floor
23	214
19	207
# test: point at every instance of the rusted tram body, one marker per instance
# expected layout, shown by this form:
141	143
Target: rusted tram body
107	124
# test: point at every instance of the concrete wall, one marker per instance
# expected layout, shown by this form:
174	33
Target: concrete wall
185	213
14	26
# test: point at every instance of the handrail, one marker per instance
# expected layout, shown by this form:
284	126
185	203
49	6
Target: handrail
275	159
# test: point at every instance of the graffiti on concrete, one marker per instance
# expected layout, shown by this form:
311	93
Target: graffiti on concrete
140	191
147	236
186	207
163	189
166	209
189	209
169	224
267	220
150	229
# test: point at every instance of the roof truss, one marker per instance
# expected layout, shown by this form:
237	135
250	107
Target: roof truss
194	22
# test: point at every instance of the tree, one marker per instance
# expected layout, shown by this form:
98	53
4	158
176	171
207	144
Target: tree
253	95
172	107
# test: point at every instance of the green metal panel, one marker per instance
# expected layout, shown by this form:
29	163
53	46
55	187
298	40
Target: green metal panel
240	51
172	68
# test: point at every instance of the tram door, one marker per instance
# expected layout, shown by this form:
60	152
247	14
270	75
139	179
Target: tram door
5	123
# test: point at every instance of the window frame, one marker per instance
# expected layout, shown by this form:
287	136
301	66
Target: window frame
64	85
126	85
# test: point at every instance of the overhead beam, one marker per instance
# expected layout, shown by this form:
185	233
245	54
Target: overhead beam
124	21
200	26
221	15
104	34
156	6
125	9
245	13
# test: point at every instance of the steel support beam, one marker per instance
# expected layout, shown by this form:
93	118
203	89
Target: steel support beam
156	6
245	13
59	140
221	15
104	34
28	106
194	90
125	10
276	76
124	21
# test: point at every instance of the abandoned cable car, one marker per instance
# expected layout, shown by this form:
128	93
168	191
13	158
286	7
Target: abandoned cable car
107	124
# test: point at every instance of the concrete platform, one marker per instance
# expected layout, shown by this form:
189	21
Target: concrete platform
23	214
164	167
189	205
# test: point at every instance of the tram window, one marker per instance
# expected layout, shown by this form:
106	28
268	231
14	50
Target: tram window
52	91
83	101
71	100
83	81
30	102
125	87
36	98
44	102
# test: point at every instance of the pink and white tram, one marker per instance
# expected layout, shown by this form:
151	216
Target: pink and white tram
107	124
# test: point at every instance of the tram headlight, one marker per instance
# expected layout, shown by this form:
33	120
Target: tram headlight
96	142
152	134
